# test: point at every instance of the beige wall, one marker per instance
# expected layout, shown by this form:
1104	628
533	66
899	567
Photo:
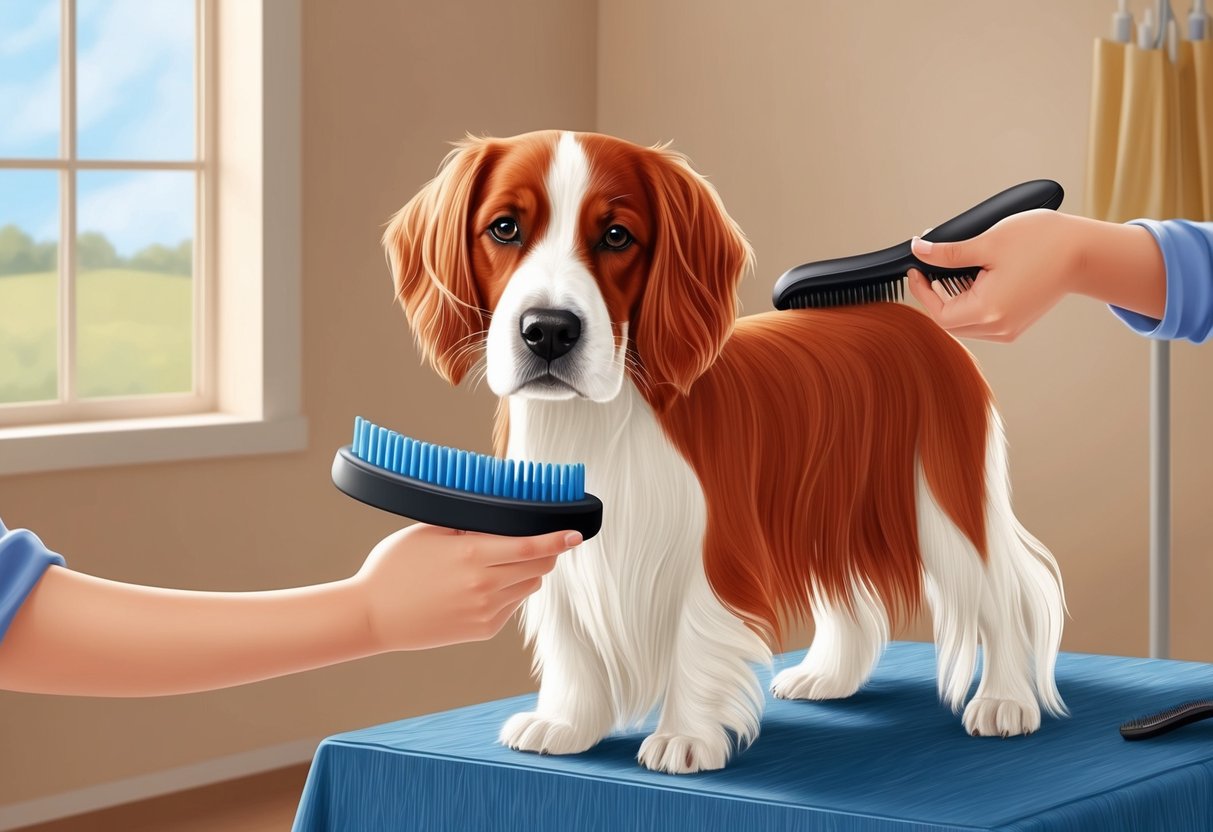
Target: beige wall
830	128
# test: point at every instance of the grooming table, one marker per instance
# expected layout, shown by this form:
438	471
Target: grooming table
889	758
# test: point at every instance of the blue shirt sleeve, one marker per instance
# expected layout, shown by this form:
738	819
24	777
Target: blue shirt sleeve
23	559
1187	251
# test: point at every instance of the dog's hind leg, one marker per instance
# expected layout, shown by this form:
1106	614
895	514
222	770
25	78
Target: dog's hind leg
1022	612
1012	601
953	581
845	649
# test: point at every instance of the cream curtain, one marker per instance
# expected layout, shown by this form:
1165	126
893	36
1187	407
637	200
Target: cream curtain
1151	147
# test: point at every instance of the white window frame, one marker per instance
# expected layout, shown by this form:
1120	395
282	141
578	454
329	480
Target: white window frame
247	273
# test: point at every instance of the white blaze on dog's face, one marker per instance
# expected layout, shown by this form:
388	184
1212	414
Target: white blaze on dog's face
551	334
567	262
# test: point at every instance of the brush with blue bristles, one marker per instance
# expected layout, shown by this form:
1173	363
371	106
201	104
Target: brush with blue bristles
461	489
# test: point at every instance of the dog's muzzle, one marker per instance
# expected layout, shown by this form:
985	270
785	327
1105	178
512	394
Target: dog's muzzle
549	333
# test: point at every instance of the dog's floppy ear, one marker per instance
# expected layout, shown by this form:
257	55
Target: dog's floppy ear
699	256
427	246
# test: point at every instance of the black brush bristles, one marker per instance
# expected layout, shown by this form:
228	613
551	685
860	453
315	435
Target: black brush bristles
827	296
889	291
1166	721
954	283
808	296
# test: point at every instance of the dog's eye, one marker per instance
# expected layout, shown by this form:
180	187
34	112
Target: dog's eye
616	238
505	230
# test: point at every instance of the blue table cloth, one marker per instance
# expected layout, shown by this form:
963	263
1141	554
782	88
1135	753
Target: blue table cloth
889	758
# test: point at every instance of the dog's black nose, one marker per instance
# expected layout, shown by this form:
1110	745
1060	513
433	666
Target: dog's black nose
550	333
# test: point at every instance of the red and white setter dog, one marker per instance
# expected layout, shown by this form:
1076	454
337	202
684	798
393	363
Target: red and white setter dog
754	471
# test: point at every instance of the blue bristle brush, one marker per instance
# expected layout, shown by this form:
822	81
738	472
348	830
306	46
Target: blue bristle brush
461	489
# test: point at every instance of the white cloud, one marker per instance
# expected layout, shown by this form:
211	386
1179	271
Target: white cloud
34	109
167	127
31	106
137	40
40	31
139	48
135	210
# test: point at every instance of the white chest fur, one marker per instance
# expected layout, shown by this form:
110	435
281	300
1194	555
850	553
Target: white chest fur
624	589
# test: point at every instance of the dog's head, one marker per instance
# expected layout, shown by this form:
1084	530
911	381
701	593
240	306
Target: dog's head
566	261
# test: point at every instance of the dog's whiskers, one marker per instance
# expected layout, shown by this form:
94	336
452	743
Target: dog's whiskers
468	345
639	373
479	372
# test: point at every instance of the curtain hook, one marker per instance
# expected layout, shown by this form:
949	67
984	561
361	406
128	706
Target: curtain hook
1164	16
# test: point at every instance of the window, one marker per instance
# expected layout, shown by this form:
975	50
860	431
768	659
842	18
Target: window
143	316
103	193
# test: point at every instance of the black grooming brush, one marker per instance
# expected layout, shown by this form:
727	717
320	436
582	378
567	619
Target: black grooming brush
880	275
1168	720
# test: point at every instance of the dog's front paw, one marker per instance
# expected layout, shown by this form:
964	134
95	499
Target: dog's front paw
986	717
678	754
800	682
544	734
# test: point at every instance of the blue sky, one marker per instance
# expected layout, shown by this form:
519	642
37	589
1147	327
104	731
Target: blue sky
134	100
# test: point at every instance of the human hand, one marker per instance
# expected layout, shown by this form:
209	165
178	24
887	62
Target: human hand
427	586
1029	262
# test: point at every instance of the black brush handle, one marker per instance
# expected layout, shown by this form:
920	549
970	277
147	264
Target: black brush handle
1039	193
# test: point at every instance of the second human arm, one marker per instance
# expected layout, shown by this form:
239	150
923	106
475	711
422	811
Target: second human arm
421	587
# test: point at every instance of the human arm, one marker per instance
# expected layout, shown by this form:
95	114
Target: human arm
1156	276
421	587
1187	250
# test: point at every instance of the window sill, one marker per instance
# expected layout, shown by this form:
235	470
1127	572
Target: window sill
73	445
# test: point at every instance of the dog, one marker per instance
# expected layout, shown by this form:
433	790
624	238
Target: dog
837	464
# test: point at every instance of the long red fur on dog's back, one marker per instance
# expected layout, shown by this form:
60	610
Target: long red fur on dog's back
805	434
